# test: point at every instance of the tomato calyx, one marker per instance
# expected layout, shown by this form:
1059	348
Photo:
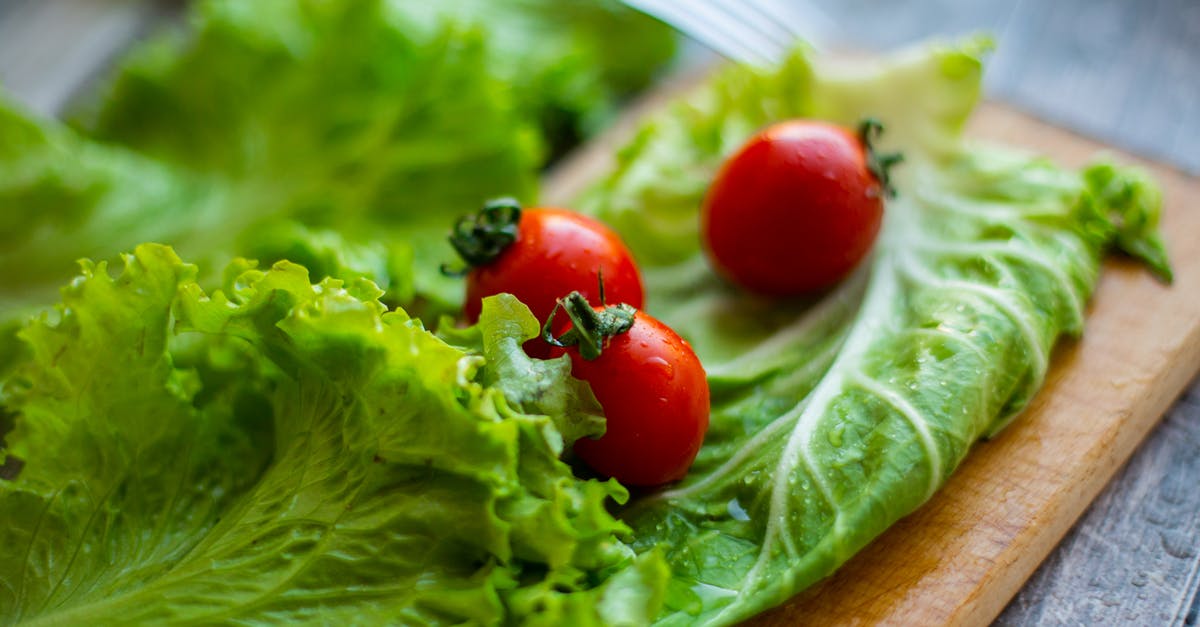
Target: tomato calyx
879	164
481	237
590	326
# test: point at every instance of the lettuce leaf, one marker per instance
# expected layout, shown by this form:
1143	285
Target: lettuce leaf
339	115
390	158
834	417
344	134
382	120
262	83
318	459
566	70
63	197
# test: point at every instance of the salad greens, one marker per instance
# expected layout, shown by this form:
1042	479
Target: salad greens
353	76
191	445
280	450
292	129
831	420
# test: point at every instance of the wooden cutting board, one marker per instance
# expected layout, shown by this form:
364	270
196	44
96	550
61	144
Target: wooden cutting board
961	557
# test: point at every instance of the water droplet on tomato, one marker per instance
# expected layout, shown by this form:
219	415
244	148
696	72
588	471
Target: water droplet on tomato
661	365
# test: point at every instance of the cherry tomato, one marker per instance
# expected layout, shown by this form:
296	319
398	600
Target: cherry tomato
797	207
551	252
655	397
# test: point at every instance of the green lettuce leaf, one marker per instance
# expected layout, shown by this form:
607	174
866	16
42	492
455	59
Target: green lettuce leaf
567	70
343	134
834	417
321	70
535	383
344	115
382	120
63	197
282	451
390	160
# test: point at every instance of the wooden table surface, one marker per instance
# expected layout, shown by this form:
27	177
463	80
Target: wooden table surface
1125	72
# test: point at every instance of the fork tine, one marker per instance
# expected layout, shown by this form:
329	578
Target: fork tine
801	19
734	25
731	38
779	36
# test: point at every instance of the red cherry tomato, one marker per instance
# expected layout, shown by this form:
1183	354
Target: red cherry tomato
655	397
555	251
796	208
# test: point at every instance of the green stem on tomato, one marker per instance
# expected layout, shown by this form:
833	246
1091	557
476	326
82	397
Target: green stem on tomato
879	164
480	238
590	328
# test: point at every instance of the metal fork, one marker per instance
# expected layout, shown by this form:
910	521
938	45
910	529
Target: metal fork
759	32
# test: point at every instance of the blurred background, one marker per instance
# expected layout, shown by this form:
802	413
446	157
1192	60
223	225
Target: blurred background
1125	72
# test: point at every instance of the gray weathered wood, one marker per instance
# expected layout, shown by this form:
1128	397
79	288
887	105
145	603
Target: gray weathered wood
1134	557
1125	72
50	50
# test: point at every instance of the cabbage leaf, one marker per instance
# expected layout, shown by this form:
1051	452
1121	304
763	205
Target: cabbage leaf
834	417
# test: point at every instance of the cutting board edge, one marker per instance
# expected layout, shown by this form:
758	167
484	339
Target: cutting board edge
982	611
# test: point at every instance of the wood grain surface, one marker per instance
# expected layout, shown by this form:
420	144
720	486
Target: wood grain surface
1150	511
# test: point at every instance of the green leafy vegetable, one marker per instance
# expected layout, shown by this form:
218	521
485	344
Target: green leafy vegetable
63	197
355	467
832	419
280	83
566	68
505	324
282	450
379	119
391	156
342	133
339	115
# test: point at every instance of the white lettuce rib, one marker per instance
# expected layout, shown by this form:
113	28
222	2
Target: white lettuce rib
1000	298
881	294
914	418
747	452
1016	250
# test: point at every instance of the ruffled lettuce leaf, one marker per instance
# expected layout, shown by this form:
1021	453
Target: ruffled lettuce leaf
567	70
245	71
544	385
343	134
382	120
284	451
834	417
